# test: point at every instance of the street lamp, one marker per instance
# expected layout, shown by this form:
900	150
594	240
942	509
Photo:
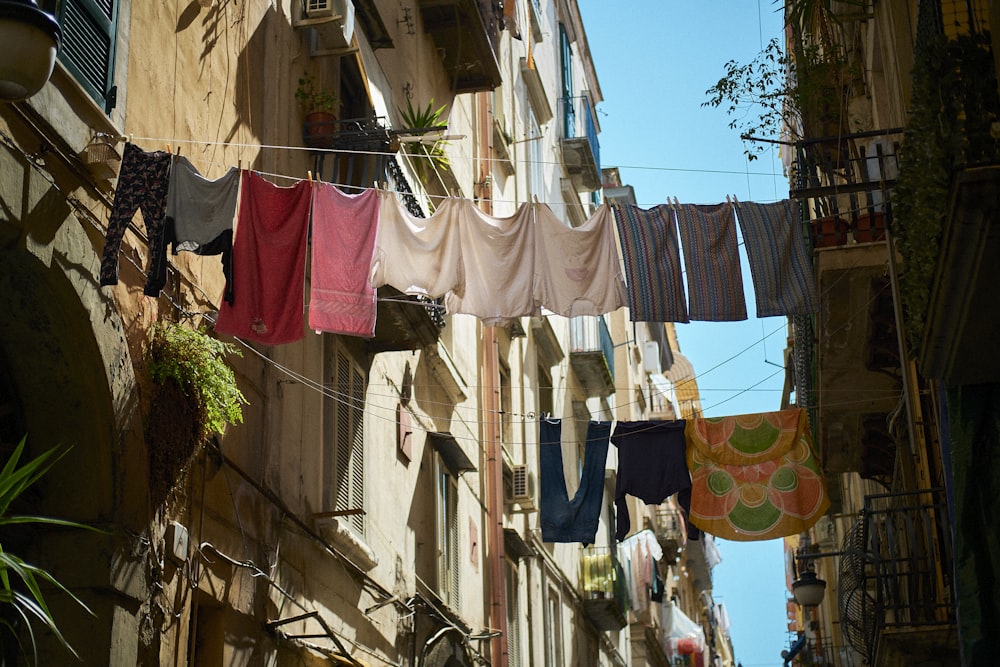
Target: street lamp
808	590
30	39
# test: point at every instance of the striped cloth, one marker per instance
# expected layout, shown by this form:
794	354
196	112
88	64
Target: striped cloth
779	259
652	263
714	279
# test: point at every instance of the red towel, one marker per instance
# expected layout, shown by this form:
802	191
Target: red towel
341	298
269	263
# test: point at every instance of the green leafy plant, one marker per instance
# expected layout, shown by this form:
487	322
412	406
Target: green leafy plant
952	108
21	582
197	363
802	92
312	97
421	121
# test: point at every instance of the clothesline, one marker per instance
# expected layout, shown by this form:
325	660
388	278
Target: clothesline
353	219
386	187
205	142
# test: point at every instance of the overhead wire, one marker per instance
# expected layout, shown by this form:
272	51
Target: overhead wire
326	391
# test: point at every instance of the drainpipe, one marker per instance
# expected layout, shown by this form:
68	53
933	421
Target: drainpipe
491	409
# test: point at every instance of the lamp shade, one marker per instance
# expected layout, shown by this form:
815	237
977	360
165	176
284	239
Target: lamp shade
808	589
30	39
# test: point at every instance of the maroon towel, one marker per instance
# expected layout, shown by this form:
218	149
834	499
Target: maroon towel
269	263
341	298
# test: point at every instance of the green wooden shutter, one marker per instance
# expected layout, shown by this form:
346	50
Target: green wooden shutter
87	49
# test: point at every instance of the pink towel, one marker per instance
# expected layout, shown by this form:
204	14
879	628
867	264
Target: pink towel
341	299
269	263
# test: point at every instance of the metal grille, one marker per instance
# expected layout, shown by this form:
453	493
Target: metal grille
855	603
895	570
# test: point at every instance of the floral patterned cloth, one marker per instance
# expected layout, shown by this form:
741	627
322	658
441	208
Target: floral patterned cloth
756	476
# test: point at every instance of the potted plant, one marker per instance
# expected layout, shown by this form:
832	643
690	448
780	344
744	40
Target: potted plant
426	151
319	108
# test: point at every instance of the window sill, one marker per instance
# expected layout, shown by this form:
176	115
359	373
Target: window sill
346	541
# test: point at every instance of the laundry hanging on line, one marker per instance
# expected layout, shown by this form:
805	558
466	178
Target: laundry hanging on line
756	476
497	269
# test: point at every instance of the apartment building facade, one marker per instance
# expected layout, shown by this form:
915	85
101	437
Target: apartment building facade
894	174
377	503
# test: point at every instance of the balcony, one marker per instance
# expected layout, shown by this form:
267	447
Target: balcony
895	586
581	151
826	653
603	589
848	207
591	354
668	528
847	200
962	318
466	33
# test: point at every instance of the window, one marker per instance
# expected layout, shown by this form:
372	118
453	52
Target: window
535	166
513	616
447	535
545	390
506	428
553	622
87	46
344	442
569	112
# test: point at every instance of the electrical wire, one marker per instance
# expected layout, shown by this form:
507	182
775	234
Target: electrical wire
329	392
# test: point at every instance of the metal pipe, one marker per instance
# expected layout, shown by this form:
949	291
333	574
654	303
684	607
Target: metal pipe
491	408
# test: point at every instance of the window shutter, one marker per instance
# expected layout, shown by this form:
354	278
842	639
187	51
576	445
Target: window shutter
87	48
357	465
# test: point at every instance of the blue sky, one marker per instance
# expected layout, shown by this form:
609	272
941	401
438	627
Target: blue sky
655	59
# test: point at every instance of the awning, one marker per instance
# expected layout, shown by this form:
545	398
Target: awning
451	451
515	545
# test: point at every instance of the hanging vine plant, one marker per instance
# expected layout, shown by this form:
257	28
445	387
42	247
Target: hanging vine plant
952	107
195	396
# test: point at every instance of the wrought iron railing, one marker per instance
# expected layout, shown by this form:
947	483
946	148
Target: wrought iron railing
896	568
589	333
600	575
577	121
844	185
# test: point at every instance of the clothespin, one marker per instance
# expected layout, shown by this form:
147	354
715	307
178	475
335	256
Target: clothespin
178	150
677	203
309	174
728	200
168	149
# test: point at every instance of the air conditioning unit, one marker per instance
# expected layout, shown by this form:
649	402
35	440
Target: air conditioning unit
523	487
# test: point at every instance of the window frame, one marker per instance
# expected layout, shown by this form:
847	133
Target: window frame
344	435
92	15
447	534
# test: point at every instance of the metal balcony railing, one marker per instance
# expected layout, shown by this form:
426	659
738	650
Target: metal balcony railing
896	570
580	146
592	354
668	528
824	653
602	586
844	185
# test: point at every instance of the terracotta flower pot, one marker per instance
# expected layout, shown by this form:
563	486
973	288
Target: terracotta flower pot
318	129
829	231
870	227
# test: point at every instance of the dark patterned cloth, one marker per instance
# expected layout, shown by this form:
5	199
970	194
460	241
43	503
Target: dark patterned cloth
652	263
711	257
779	259
142	186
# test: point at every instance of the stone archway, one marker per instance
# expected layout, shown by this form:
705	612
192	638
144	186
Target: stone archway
67	379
